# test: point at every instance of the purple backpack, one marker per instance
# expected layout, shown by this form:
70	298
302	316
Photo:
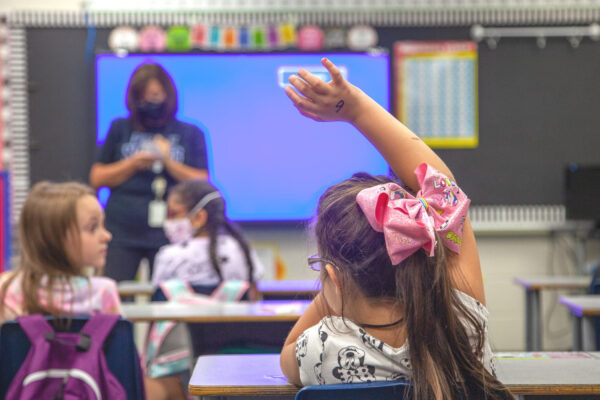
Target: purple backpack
66	365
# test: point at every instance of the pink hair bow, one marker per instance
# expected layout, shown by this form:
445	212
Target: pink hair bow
408	222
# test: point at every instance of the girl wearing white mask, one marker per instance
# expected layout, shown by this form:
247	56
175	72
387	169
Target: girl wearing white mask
205	247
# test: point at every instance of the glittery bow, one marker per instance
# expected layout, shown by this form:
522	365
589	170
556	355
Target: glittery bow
408	222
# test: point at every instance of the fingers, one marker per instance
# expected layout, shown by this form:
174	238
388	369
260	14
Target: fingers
335	73
293	95
145	156
304	106
315	83
310	115
302	86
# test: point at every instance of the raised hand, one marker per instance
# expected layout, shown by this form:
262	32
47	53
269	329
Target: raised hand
337	100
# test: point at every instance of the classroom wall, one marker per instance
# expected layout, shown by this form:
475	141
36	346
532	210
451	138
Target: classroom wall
502	257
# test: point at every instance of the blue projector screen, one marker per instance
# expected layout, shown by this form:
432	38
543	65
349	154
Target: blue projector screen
270	162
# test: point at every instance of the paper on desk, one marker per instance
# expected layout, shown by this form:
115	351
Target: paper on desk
283	309
542	356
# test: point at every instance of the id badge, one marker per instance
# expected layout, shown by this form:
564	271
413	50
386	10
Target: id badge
157	213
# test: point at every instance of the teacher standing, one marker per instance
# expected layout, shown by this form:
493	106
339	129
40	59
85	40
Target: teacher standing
142	157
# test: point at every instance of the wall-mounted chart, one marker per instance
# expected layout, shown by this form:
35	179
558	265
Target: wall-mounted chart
436	91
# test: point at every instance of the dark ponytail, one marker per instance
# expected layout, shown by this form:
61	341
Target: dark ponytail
444	362
213	232
237	235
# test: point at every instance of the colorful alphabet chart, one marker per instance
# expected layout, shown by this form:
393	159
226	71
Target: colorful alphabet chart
436	91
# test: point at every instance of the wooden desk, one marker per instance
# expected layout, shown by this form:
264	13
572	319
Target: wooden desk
260	375
261	311
584	310
533	316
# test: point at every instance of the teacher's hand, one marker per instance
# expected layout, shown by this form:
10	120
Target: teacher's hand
164	146
143	160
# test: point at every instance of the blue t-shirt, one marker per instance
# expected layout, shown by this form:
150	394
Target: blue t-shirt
127	207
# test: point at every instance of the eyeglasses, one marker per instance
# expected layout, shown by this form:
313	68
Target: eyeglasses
317	263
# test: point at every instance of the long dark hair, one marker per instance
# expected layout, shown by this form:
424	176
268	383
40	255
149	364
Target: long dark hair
135	93
443	360
48	217
190	192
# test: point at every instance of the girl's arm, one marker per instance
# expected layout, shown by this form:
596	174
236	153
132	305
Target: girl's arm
287	360
339	100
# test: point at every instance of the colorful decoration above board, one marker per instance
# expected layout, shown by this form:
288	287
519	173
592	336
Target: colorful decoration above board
152	38
234	38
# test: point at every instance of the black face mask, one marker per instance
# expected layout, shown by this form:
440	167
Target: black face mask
151	114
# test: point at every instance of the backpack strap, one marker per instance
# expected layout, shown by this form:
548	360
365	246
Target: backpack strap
35	327
98	327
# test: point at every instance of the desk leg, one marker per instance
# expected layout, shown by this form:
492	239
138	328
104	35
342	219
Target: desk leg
533	320
576	333
588	333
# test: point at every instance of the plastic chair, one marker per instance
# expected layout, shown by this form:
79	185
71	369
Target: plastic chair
119	349
380	390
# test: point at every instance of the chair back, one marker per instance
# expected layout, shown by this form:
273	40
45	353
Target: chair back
119	349
380	390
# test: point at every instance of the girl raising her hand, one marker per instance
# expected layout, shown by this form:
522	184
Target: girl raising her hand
402	290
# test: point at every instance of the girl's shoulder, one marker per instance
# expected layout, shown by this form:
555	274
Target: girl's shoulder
189	248
7	275
102	282
473	305
94	294
336	350
13	297
200	245
343	332
225	240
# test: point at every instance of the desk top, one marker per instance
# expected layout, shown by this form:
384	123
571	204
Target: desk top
523	373
283	287
585	305
260	311
554	282
239	374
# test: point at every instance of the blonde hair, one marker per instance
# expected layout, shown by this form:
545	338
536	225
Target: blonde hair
48	219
